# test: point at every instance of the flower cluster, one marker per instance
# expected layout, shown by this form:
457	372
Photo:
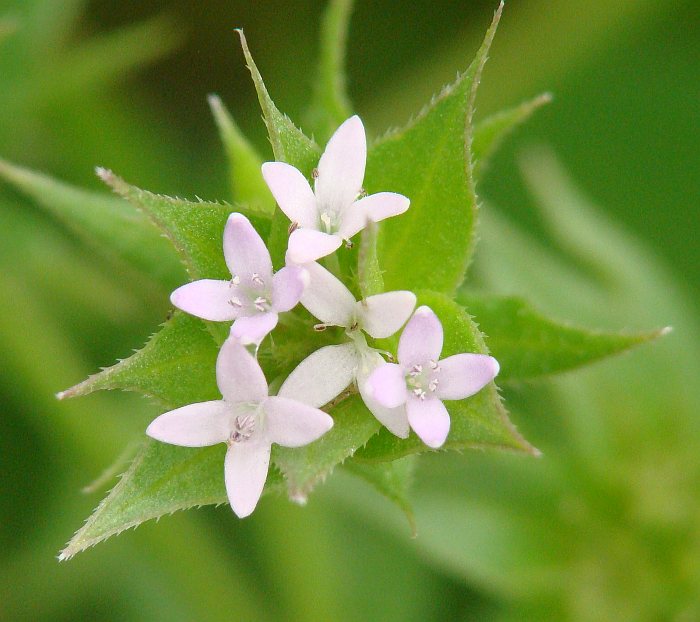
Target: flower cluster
402	395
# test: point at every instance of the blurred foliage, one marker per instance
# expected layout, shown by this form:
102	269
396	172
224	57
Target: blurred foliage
603	527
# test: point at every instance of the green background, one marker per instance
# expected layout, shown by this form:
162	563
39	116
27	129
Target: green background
606	526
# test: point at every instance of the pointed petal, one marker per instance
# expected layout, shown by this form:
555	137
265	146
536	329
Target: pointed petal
291	423
383	314
253	329
463	375
206	298
341	168
245	472
292	193
393	419
287	287
307	245
387	385
429	419
421	340
238	374
194	425
326	298
245	252
321	376
374	207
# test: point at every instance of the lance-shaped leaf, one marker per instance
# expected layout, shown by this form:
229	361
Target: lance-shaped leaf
529	345
306	466
108	225
330	105
429	161
176	367
289	144
247	185
391	479
480	421
492	131
161	480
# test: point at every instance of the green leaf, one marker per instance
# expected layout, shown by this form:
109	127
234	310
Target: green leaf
479	421
369	273
289	144
176	367
392	479
429	161
106	224
194	228
492	131
162	479
529	345
304	467
330	105
247	184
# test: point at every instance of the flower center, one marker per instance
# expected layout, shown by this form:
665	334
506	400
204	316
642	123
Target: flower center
250	295
423	380
243	428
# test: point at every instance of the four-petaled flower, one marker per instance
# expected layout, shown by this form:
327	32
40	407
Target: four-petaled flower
417	384
247	420
327	372
333	211
254	296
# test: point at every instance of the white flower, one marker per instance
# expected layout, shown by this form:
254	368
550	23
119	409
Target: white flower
327	372
247	420
253	297
417	384
333	211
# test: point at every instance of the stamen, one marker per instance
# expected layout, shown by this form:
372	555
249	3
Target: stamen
315	173
434	366
235	280
349	244
235	302
419	393
255	277
433	384
319	328
292	227
261	303
416	370
326	220
243	428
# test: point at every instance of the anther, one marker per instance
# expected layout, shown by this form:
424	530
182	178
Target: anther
349	244
235	302
235	280
255	277
434	366
419	393
416	370
315	173
433	384
319	328
292	227
260	303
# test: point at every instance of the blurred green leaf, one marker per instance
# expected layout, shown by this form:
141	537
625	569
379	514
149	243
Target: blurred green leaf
289	144
106	224
330	105
391	479
176	367
162	479
247	184
369	274
194	228
429	161
529	345
492	131
304	467
479	421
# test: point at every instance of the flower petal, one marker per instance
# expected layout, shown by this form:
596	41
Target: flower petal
421	340
194	425
387	385
393	419
245	472
255	328
374	207
429	419
287	287
321	376
383	314
238	374
292	193
245	252
206	298
326	298
291	423
307	245
463	375
341	168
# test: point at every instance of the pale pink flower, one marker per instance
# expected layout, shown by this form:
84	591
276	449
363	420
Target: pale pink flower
327	372
247	419
254	296
418	383
333	211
